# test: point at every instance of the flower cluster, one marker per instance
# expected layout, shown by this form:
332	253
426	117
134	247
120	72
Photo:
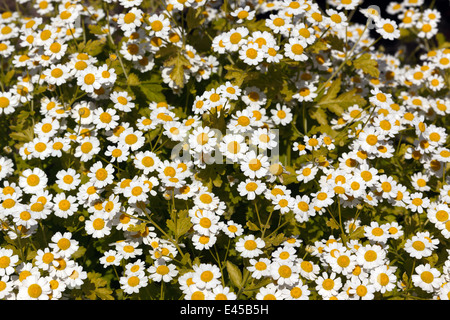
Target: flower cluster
215	150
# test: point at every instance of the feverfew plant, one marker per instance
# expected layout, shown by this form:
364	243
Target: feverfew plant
224	150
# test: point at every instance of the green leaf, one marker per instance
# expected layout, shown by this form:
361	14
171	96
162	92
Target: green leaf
251	226
178	63
274	240
180	223
104	293
96	29
320	115
235	274
95	287
332	224
93	47
194	18
133	80
152	91
257	25
367	65
335	42
319	45
8	76
338	104
25	135
234	74
358	233
137	228
79	253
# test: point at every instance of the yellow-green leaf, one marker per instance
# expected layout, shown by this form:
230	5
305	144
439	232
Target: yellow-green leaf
93	47
332	224
358	233
234	273
180	223
133	80
252	226
178	63
367	65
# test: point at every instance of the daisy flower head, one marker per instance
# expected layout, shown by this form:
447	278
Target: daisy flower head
281	114
40	148
284	272
234	38
251	54
202	139
33	180
194	293
439	213
231	229
206	276
376	232
323	198
254	165
8	261
8	102
57	74
206	223
47	128
279	23
306	92
34	287
132	139
233	147
336	19
259	268
295	49
298	291
251	188
427	278
417	202
110	258
427	29
89	79
63	244
133	282
122	101
158	25
106	119
269	292
97	226
388	29
242	121
361	289
206	200
68	180
327	285
383	278
162	272
101	175
370	256
242	14
6	168
6	287
136	191
283	203
131	20
222	293
64	205
250	246
253	96
419	247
